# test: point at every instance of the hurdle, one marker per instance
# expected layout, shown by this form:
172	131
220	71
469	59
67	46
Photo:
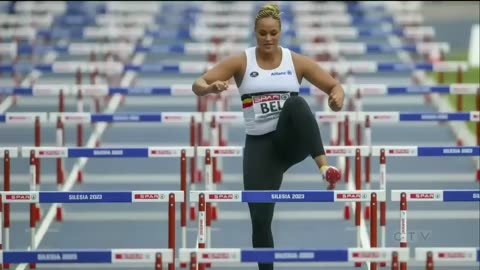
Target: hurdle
206	198
366	119
85	152
35	118
405	196
6	153
113	256
229	256
447	255
212	175
169	118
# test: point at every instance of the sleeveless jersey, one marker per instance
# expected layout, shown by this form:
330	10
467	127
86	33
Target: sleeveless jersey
264	92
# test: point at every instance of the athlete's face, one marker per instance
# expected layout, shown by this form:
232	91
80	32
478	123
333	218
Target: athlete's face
267	32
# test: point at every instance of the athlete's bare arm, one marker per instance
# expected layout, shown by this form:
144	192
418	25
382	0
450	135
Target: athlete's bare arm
312	72
216	79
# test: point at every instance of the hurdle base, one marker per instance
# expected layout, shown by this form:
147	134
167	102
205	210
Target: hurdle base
478	175
383	264
214	212
192	213
346	212
198	176
38	214
218	177
367	212
183	265
79	177
459	142
59	215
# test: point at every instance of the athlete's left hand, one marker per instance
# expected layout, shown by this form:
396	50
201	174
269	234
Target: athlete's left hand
335	99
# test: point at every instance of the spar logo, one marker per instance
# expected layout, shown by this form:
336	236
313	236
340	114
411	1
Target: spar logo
265	98
20	197
225	151
424	196
337	151
149	196
131	256
225	196
173	117
74	117
454	255
50	152
162	152
18	117
399	151
327	116
382	117
368	254
218	256
351	196
228	117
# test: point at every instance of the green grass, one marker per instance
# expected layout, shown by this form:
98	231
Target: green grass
472	75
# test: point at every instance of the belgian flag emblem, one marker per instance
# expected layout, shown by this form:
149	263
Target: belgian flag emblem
247	102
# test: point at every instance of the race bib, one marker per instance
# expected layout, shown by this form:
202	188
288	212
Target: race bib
269	106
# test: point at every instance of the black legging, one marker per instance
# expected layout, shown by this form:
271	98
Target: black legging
267	157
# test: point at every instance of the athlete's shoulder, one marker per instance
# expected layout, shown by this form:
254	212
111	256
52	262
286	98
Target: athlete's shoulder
299	58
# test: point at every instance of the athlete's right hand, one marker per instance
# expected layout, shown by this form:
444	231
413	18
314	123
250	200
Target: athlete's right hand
218	87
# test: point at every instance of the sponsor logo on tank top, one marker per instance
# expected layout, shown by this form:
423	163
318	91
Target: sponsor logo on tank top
277	73
253	74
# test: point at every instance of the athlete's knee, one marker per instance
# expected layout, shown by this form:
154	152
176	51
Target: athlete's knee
297	105
296	100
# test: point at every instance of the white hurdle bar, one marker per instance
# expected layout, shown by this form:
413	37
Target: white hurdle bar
35	197
230	256
206	198
447	256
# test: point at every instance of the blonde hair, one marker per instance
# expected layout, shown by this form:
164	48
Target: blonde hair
269	10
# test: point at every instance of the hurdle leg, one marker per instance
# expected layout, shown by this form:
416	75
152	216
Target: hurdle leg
429	265
373	226
193	261
403	226
394	260
193	166
37	165
6	221
358	205
60	175
171	228
383	207
368	142
201	225
79	126
347	165
33	206
158	261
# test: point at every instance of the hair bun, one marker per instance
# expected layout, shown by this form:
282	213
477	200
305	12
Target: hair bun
274	9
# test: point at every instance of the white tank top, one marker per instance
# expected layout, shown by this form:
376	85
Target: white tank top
263	92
